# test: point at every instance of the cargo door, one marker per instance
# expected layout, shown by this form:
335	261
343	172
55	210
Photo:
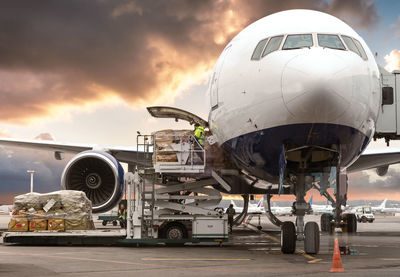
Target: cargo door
175	113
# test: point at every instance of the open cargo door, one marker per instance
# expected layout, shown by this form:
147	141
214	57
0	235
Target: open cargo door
170	112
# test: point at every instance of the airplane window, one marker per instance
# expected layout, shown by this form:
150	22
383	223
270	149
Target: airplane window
272	45
351	45
387	96
330	41
257	52
297	41
360	49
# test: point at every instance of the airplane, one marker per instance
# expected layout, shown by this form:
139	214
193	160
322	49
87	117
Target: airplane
294	94
6	209
277	210
320	209
382	208
252	208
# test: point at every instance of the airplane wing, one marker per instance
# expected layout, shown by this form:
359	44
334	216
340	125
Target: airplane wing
125	154
374	158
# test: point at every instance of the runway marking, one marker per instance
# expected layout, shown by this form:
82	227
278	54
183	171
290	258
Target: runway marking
155	265
191	259
390	259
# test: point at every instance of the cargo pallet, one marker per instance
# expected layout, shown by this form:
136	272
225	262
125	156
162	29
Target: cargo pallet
92	238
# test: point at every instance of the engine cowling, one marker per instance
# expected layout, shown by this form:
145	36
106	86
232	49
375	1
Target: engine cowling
381	171
99	175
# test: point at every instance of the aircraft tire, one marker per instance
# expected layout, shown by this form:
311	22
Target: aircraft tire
311	238
326	222
288	237
351	221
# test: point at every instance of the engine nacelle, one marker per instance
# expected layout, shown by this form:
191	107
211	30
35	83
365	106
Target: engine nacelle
99	175
381	171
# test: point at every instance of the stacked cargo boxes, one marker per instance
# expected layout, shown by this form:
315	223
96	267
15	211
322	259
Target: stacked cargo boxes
56	211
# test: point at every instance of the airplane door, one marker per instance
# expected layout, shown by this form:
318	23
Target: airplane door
215	78
386	122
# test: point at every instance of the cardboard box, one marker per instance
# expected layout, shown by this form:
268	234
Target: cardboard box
37	224
18	225
56	225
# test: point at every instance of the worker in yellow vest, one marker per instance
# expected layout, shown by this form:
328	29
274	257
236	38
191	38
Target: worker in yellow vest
200	136
199	133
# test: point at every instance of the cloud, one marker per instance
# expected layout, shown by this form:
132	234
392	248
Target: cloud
368	185
55	55
392	60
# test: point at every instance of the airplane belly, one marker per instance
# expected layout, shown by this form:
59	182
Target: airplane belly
259	151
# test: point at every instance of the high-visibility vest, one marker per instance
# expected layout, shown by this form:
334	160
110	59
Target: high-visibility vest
122	214
199	134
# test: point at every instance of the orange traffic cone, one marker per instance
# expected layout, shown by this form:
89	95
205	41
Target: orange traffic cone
336	261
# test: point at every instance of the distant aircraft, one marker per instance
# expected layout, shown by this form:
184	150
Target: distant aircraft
252	208
6	209
320	209
294	94
382	208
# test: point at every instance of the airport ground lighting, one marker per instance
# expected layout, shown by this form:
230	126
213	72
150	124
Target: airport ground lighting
31	172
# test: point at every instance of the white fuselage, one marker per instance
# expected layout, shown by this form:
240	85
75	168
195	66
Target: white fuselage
307	96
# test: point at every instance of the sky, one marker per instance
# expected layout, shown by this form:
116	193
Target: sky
84	71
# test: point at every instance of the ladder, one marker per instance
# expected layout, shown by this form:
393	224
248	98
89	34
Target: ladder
148	202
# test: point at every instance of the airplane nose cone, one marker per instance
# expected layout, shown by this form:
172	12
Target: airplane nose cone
317	87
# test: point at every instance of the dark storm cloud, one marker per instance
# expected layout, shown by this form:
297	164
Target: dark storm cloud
56	53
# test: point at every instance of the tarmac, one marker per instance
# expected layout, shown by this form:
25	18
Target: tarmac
376	251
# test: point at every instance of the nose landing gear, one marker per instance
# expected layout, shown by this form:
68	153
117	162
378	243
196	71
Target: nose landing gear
309	233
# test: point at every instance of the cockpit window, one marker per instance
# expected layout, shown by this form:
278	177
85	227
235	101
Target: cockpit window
297	41
330	41
273	45
360	49
351	45
259	48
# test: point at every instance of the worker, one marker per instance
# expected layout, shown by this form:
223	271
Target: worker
122	215
199	135
231	212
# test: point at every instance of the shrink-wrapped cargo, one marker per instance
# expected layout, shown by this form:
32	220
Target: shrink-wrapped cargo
60	210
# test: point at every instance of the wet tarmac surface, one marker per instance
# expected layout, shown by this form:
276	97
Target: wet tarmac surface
376	249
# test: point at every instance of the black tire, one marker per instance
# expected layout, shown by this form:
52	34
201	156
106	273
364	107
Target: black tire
370	221
104	223
311	238
259	228
288	237
115	223
364	219
326	222
173	231
351	223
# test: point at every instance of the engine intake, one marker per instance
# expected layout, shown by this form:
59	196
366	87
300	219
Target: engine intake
99	175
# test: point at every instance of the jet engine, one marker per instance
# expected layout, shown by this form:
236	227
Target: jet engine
99	175
381	171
